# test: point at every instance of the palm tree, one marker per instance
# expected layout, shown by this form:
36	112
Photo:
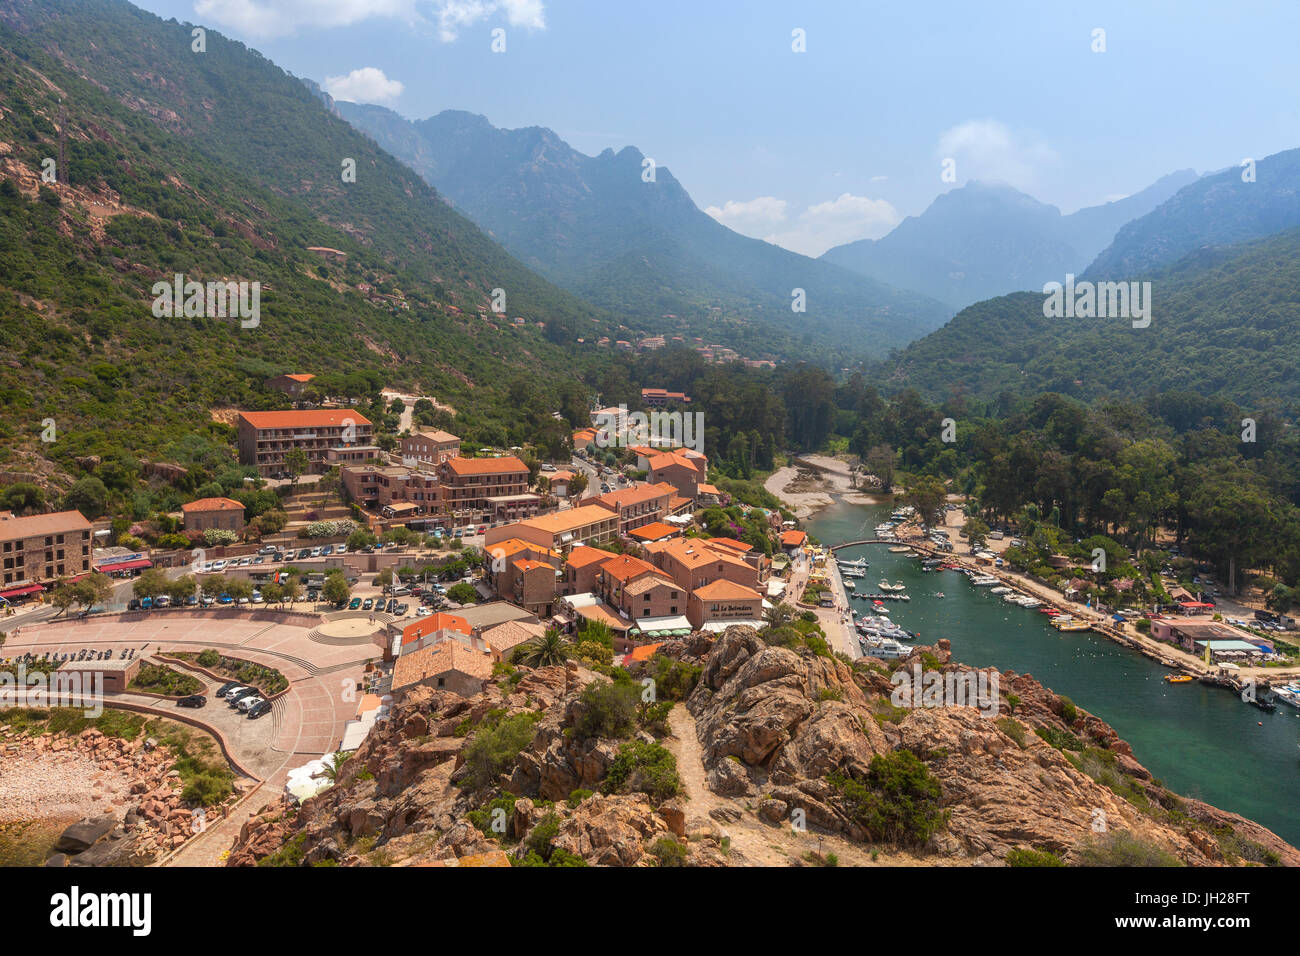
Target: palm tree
544	650
334	765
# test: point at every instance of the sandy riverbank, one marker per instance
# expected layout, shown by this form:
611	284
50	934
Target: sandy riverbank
806	490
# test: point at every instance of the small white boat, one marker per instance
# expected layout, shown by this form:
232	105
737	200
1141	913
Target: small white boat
1001	589
884	648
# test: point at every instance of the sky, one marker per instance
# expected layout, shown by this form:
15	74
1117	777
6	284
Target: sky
839	140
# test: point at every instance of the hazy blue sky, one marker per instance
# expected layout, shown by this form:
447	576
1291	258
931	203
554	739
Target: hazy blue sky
839	142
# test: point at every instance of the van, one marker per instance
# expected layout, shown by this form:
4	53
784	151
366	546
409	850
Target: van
996	535
401	591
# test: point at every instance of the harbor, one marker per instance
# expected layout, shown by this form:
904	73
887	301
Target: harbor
1195	735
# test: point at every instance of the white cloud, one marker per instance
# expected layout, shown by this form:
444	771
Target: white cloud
366	85
846	218
751	217
989	150
271	18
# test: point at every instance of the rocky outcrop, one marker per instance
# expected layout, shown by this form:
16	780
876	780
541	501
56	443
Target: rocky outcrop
785	737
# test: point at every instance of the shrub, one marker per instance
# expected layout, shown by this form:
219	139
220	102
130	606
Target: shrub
1033	858
643	768
207	789
1121	848
494	748
606	710
1069	713
898	801
541	836
1013	729
1060	739
674	680
209	658
669	852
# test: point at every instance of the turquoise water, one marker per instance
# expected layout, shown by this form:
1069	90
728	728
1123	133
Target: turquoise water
1202	742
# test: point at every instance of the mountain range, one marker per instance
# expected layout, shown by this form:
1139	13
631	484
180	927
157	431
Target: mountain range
988	239
594	226
160	171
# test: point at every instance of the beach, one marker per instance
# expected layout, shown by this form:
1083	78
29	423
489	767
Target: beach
813	482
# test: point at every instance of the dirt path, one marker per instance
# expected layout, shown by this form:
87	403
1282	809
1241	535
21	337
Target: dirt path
753	842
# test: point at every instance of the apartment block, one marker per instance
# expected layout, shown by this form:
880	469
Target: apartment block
40	549
265	438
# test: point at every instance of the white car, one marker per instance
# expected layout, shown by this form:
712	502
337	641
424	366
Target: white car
423	611
248	703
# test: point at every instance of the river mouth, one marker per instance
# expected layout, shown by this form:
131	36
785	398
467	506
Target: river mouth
1200	741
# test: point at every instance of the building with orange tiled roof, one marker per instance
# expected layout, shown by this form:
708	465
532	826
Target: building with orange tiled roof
731	544
431	447
678	470
447	665
792	539
469	485
224	513
502	639
582	568
637	506
42	548
426	631
561	530
692	563
655	531
723	602
328	436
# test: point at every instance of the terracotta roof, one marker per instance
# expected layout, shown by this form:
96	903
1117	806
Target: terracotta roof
441	658
561	476
528	564
653	531
505	637
692	553
624	567
305	418
626	497
582	556
793	539
706	489
486	466
724	590
599	612
669	459
570	520
436	436
434	622
212	504
300	376
731	544
56	522
649	582
512	546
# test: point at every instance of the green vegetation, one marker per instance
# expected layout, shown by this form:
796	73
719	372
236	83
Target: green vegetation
644	768
1121	848
1030	857
898	801
606	710
493	748
161	679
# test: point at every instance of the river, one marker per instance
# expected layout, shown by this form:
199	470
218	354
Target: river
1200	741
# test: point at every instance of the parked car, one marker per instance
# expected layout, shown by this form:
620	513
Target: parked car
246	703
134	604
368	604
403	608
235	696
354	604
162	600
227	687
193	700
259	709
146	604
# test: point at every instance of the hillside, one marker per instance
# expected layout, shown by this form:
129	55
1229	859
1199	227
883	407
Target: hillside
773	755
1217	210
591	225
164	174
1217	315
988	239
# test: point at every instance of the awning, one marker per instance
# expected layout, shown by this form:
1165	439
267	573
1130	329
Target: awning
110	567
20	592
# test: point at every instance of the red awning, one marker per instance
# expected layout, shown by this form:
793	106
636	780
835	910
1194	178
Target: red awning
1195	604
19	592
124	565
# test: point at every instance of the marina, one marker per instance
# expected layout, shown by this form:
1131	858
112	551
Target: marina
1200	740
